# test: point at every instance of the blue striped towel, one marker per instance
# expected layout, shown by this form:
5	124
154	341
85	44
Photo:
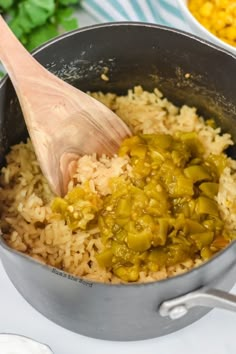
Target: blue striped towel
164	12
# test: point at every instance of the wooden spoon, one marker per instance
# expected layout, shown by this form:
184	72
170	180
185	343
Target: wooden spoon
63	122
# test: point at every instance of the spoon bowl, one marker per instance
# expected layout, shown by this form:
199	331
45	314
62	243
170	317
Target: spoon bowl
63	122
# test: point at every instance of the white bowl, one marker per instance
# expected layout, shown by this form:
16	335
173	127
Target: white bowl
18	344
201	30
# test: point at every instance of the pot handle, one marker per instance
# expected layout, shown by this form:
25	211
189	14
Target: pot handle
179	307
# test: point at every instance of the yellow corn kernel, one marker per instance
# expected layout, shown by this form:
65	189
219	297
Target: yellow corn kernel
231	33
206	9
222	33
229	20
222	3
218	24
231	9
218	16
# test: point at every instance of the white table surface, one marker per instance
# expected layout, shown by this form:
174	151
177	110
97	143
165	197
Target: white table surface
213	334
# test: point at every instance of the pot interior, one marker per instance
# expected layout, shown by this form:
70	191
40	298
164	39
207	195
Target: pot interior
186	70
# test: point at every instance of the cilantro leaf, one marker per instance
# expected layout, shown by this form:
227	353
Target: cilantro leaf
69	24
39	10
65	20
63	13
36	21
30	14
68	2
41	35
6	4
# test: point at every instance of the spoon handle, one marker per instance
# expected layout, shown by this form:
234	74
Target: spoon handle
15	58
32	82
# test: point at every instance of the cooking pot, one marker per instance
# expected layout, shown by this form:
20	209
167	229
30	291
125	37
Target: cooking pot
152	56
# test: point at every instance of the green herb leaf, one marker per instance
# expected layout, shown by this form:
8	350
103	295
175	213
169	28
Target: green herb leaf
41	35
39	10
6	4
65	20
69	24
30	14
36	21
68	2
63	13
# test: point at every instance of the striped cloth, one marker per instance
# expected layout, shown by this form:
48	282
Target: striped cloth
164	12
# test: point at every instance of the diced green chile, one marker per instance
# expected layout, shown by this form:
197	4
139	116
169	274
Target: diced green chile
167	211
210	189
161	215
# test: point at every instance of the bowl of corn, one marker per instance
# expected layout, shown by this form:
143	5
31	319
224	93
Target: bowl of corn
214	20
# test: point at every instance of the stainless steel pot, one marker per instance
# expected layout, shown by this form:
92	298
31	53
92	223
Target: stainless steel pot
134	54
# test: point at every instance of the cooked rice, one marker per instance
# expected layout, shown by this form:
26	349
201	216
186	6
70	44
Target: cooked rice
28	224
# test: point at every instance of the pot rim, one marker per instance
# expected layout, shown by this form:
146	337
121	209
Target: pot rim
190	272
132	24
125	24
